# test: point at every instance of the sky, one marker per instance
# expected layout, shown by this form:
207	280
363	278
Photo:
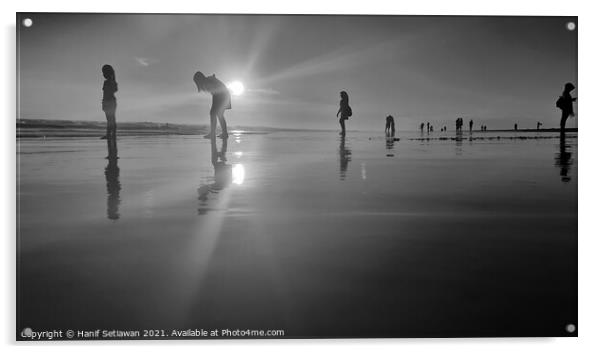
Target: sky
497	71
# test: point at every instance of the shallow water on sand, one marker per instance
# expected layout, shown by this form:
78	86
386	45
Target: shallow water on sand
302	231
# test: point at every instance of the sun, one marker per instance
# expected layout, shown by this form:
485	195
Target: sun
236	87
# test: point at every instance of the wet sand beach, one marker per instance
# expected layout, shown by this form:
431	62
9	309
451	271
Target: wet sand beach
315	234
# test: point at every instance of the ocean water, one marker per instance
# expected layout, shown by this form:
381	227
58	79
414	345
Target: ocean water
318	235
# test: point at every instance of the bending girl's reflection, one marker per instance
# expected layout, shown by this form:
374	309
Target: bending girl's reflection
222	174
344	158
113	188
563	159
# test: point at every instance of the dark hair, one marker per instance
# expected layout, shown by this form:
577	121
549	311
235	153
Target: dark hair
108	72
199	80
345	97
569	87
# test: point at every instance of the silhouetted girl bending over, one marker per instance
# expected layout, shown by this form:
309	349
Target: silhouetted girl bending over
221	101
344	110
109	106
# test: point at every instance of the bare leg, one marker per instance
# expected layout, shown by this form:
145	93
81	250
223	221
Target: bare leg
563	119
111	135
223	125
342	122
213	122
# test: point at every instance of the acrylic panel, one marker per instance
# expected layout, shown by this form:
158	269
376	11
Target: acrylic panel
224	176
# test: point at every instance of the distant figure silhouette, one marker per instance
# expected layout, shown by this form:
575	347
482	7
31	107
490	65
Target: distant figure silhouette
470	125
109	106
221	101
515	126
113	188
565	103
344	111
390	126
445	128
459	123
428	127
539	125
432	128
421	127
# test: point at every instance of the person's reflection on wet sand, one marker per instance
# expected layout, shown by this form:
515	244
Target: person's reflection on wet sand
344	158
390	142
113	187
222	174
564	159
459	139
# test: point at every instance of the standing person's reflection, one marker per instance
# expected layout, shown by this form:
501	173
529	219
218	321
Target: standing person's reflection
459	139
109	106
113	187
222	174
564	160
344	158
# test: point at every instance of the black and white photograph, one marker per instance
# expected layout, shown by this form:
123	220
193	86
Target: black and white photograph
202	176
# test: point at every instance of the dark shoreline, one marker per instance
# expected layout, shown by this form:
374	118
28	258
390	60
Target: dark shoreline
44	128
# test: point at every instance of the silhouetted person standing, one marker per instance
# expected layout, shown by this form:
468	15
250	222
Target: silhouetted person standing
390	126
344	111
109	106
470	125
538	125
428	127
565	103
221	101
421	127
515	126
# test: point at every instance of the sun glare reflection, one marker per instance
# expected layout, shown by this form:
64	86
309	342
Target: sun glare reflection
238	174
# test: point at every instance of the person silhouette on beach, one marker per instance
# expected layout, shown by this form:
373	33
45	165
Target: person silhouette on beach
515	126
390	126
109	106
344	111
421	127
470	125
565	103
428	127
221	101
539	125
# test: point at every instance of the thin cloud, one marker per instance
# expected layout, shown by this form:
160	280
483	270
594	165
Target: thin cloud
264	92
145	61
